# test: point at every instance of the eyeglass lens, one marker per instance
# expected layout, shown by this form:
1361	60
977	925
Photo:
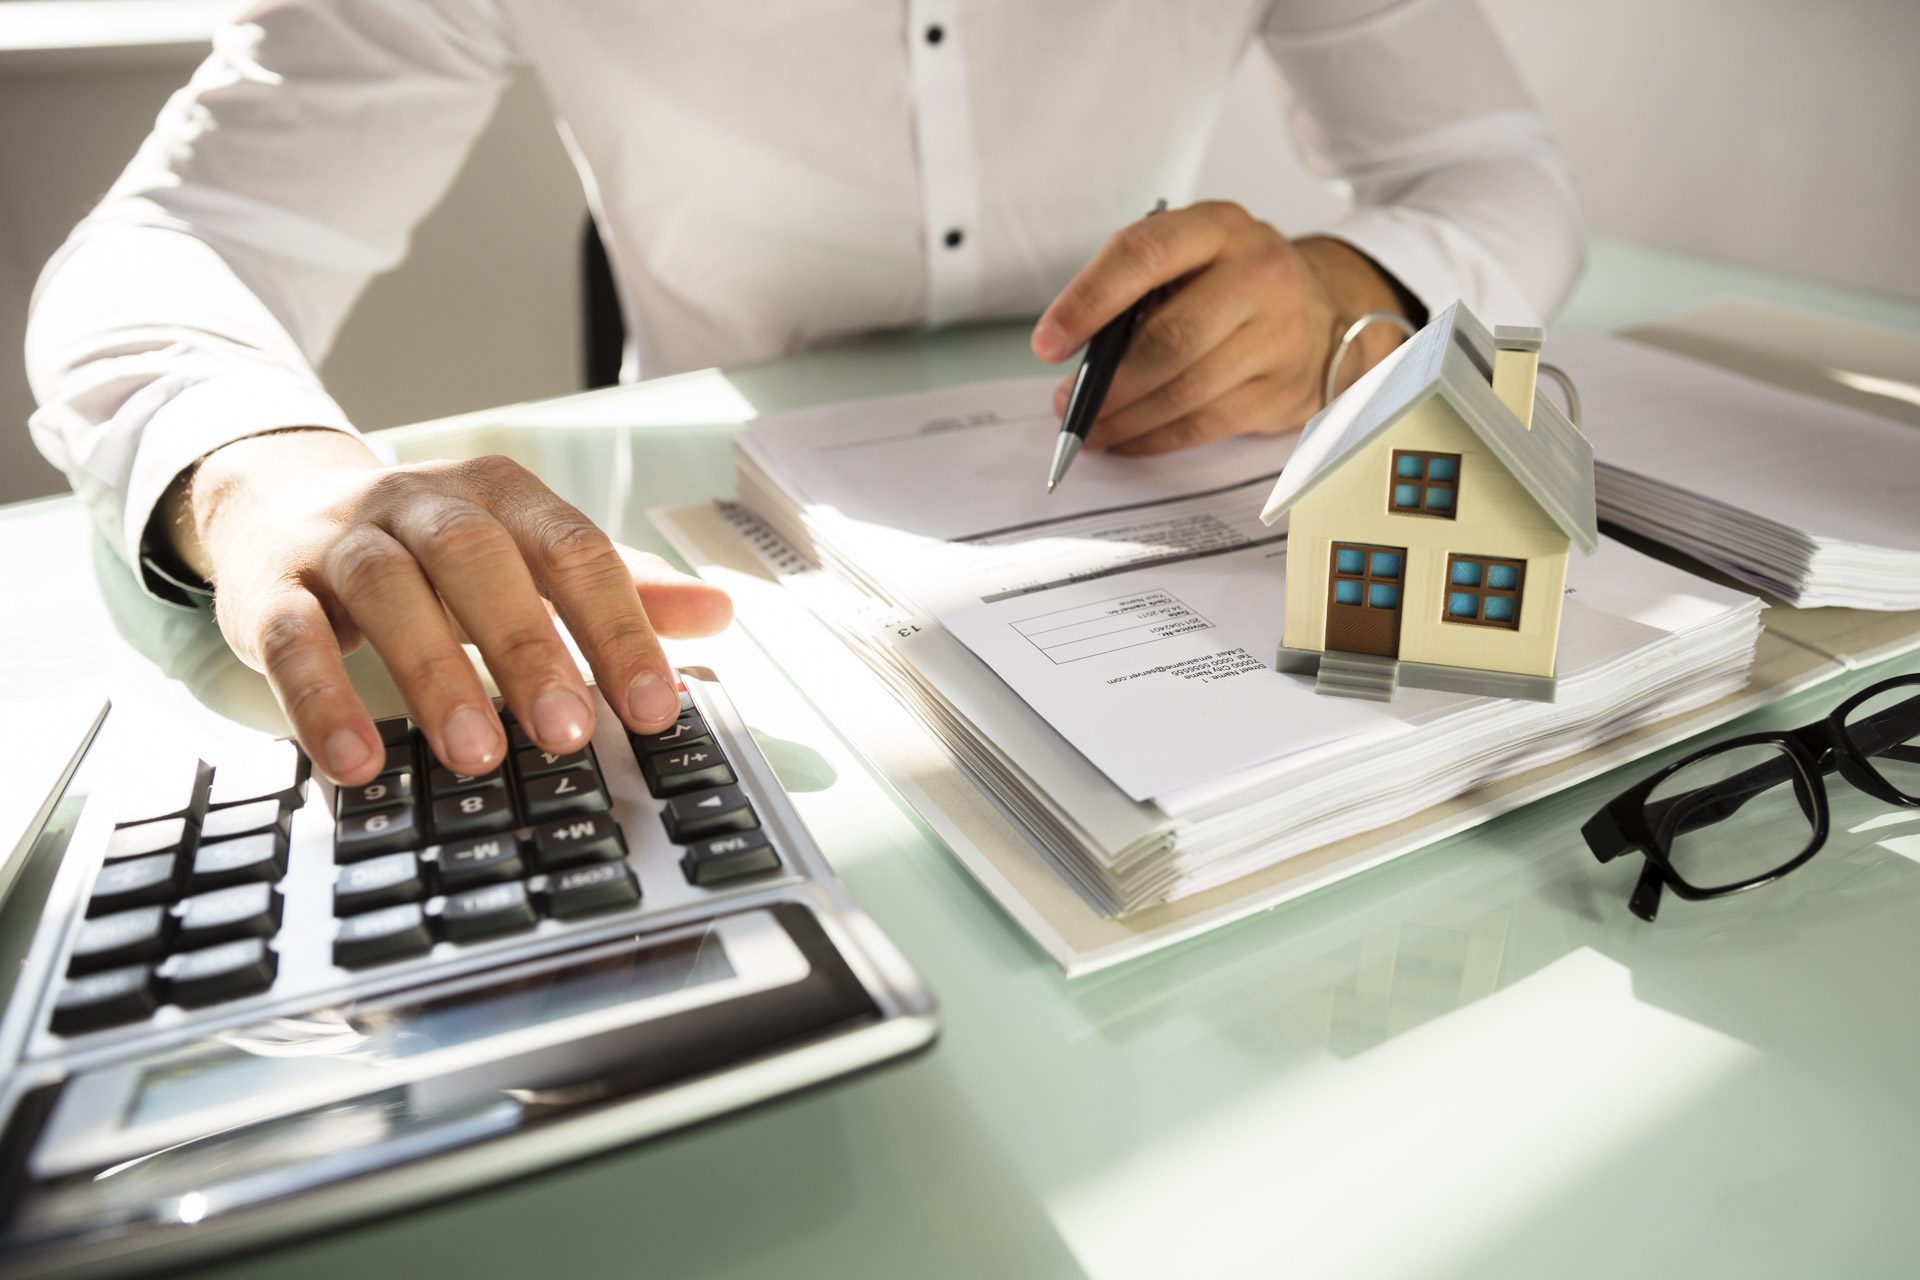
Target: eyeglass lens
1733	814
1885	729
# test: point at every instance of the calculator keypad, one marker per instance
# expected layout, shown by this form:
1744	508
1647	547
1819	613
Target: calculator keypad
189	906
185	907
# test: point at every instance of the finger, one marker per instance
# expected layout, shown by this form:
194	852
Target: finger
1256	407
378	582
1180	331
1134	261
293	642
677	604
476	567
576	565
1241	357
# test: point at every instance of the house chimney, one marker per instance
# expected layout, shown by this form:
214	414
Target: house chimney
1516	365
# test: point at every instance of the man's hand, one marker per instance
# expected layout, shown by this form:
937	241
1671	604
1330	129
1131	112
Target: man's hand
312	545
1240	347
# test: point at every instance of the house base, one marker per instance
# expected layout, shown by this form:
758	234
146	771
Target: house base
1419	675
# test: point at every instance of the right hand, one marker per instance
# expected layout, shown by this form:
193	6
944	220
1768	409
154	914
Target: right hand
313	545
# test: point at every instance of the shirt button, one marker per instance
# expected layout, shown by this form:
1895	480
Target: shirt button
953	238
936	33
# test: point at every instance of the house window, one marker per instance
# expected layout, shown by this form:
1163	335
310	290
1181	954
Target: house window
1424	483
1368	577
1484	591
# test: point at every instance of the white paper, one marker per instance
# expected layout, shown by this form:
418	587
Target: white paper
1828	471
1139	610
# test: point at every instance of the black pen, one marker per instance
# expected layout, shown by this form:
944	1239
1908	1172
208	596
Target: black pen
1095	376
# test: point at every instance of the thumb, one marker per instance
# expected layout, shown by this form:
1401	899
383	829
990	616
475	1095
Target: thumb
676	603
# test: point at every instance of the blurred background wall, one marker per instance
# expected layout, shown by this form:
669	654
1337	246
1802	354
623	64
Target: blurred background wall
1773	133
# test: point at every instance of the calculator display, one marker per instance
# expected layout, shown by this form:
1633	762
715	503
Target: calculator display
333	1043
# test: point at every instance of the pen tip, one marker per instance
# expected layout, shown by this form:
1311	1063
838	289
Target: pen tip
1050	485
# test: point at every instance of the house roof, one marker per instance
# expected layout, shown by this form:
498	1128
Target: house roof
1450	358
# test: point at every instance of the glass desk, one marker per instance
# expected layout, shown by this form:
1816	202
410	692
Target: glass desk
1471	1062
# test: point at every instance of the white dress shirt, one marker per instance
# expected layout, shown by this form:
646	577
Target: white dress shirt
766	174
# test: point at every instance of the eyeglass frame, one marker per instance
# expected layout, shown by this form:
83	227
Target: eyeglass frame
1623	824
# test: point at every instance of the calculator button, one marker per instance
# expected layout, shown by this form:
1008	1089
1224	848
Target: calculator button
602	886
595	838
678	770
134	882
377	882
391	933
243	967
482	912
105	999
225	862
534	762
386	790
707	813
166	785
266	771
243	911
473	813
392	731
244	820
148	838
516	736
442	781
683	733
108	941
399	756
727	858
480	861
368	835
559	794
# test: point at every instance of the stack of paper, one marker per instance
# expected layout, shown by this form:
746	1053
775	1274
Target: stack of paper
1100	661
1814	501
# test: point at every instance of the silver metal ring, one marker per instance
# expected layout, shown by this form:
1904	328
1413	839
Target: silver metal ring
1565	380
1354	330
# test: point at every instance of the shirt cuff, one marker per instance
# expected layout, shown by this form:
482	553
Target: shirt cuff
1436	262
191	425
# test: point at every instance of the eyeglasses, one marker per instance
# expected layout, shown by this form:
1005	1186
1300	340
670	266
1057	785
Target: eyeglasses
1744	812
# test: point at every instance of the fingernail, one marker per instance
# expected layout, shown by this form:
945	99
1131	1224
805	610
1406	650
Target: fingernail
560	718
346	751
470	739
651	701
1048	342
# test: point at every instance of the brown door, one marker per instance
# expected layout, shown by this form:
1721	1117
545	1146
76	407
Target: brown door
1363	598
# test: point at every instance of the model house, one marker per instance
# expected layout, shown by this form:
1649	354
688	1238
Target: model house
1431	510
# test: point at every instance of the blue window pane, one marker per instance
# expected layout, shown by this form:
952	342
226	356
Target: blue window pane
1386	564
1406	495
1462	604
1346	592
1466	573
1409	467
1442	468
1502	577
1499	609
1439	499
1382	596
1350	560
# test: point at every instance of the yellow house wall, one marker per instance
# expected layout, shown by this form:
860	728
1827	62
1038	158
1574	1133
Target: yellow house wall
1495	516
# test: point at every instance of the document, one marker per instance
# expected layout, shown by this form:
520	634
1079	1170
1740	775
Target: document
1137	610
1808	498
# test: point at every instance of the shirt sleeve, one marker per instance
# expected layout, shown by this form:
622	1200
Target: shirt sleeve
1459	189
189	309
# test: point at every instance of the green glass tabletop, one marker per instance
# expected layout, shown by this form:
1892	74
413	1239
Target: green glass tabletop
1471	1062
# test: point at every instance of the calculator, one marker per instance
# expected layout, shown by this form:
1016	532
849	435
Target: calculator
250	1003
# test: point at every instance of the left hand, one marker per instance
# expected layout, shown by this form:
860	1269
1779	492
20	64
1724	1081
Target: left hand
1239	348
